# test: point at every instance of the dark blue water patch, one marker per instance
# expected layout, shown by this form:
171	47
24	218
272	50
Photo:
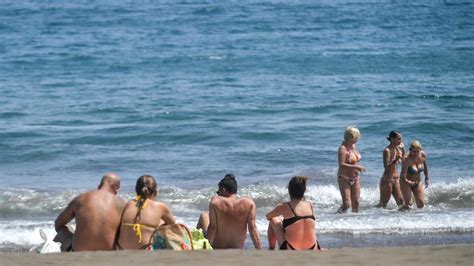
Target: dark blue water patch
12	115
437	128
21	135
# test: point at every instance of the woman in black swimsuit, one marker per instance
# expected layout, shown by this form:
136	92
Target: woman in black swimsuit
292	223
410	178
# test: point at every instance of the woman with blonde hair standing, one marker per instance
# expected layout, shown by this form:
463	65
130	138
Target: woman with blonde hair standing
410	180
348	174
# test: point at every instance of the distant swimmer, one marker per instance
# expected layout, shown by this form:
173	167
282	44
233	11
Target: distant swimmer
142	215
97	215
348	174
229	217
393	155
292	224
410	181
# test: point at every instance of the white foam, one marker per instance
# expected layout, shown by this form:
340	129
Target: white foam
24	233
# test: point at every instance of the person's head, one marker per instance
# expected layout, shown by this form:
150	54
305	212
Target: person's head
227	186
297	187
351	134
395	137
110	182
145	188
415	147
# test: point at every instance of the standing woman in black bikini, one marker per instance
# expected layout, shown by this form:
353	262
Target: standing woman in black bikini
389	183
348	174
410	180
142	215
292	223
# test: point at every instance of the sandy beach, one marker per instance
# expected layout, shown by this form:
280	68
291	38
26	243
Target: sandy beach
425	255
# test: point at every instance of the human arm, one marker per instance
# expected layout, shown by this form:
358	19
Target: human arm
425	164
386	157
65	216
212	228
403	173
167	216
277	211
252	226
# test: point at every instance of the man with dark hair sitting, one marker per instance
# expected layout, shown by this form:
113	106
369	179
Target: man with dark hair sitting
229	217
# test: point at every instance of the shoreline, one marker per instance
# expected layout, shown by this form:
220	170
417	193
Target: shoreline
410	255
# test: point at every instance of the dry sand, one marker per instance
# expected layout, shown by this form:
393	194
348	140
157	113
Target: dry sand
431	255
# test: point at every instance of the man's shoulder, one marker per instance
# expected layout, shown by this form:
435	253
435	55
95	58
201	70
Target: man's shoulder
98	195
215	199
246	199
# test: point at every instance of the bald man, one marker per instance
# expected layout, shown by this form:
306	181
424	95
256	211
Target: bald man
97	214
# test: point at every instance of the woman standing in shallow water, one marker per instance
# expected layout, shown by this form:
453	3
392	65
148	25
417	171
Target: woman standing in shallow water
348	174
410	180
389	183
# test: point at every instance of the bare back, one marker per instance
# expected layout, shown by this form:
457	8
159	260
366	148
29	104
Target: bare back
136	235
231	216
301	234
97	215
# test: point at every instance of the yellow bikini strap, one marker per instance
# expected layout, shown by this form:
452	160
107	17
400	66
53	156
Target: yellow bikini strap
145	204
138	231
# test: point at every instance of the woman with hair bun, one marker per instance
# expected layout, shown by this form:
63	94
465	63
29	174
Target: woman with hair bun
142	215
392	157
410	181
348	174
292	224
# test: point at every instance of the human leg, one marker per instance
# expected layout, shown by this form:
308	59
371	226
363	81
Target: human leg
397	193
275	232
385	192
203	222
355	195
419	194
407	195
345	189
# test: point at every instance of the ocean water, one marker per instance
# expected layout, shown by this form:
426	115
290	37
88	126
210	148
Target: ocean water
188	91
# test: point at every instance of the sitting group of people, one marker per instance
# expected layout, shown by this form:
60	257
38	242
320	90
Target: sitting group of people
403	186
105	222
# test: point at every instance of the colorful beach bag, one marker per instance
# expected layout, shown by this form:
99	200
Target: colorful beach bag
173	236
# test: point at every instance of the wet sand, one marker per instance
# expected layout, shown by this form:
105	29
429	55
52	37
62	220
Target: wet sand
418	255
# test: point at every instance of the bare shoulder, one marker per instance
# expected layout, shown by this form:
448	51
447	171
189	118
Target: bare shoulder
247	200
215	200
83	197
342	148
423	155
160	205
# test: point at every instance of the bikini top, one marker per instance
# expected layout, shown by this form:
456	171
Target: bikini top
292	220
136	227
351	160
413	170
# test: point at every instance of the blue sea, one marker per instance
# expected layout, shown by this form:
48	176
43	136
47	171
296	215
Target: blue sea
190	90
